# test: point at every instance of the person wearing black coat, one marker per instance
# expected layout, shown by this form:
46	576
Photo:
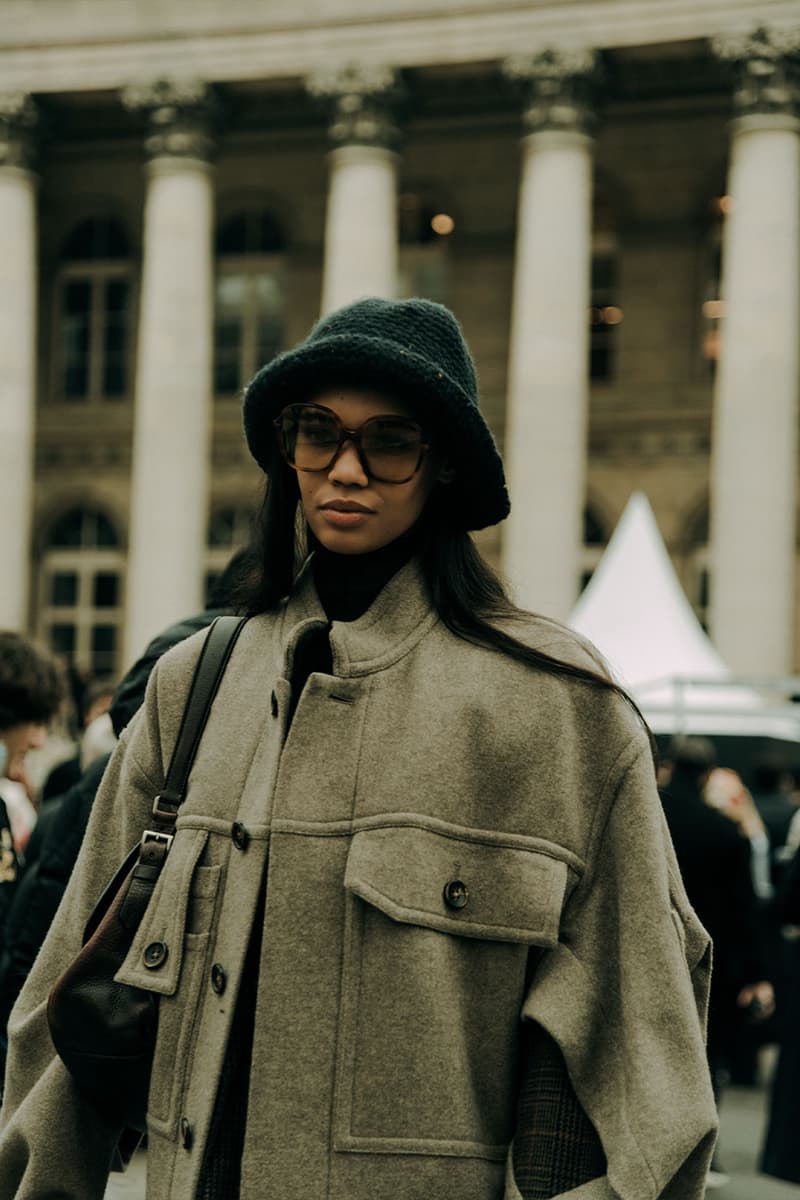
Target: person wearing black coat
781	1155
714	860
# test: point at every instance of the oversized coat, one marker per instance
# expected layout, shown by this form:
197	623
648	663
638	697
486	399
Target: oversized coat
387	1026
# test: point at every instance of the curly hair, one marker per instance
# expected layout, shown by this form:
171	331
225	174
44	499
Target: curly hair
31	688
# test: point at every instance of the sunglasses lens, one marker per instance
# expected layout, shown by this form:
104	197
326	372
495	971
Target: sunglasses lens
391	448
309	437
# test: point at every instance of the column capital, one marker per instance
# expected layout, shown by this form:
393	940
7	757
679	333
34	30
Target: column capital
558	84
767	66
179	115
362	98
18	120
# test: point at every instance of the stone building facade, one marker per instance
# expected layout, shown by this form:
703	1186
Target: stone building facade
607	194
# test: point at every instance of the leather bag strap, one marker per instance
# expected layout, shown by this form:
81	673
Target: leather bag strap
216	651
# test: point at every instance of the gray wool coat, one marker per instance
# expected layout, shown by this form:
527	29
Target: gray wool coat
387	1023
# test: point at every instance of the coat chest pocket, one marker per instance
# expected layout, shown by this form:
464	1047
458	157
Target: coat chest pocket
437	936
174	938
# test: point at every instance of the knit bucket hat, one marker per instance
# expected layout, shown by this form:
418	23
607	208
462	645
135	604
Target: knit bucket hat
415	351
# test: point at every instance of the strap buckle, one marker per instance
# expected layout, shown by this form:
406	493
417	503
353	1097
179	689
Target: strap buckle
151	836
168	813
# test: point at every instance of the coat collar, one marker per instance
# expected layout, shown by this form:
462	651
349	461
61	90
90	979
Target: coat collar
398	619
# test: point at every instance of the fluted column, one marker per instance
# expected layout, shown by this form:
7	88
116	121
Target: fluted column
17	352
754	459
545	443
173	374
361	221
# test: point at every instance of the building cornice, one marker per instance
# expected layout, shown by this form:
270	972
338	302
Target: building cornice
93	45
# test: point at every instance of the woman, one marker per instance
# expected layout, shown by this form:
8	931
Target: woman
425	933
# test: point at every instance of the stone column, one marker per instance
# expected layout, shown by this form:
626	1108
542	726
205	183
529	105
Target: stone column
17	352
754	456
546	425
169	487
361	222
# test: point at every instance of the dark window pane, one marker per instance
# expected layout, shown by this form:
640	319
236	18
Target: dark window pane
77	296
104	644
106	589
67	530
226	377
106	533
76	383
104	638
115	380
64	588
254	232
62	639
117	294
96	238
600	360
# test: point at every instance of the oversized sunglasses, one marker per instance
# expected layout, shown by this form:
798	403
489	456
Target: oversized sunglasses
390	449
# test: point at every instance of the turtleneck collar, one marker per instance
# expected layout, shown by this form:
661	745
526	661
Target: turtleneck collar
347	584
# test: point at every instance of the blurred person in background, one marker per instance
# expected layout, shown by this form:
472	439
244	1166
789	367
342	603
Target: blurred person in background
781	1155
31	691
715	862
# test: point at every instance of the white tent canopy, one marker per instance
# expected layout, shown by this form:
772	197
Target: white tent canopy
636	613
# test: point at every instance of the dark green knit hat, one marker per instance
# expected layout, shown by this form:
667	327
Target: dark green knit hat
415	351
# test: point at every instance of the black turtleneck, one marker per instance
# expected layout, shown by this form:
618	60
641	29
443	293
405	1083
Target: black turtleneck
347	584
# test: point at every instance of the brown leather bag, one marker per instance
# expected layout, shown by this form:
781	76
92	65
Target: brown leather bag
104	1031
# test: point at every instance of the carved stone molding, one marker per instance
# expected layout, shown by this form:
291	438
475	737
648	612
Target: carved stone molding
179	114
363	99
767	65
18	119
559	87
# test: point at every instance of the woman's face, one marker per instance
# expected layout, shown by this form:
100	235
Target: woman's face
346	510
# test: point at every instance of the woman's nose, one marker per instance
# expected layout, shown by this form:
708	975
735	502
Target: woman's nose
347	467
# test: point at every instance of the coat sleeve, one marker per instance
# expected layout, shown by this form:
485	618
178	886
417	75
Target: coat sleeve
624	996
52	1142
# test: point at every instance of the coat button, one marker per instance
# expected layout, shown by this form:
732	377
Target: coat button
455	894
218	979
187	1134
155	955
273	704
239	835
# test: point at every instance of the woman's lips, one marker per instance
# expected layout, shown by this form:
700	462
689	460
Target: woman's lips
345	514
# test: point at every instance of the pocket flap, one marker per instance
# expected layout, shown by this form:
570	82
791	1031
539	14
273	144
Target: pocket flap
458	885
154	959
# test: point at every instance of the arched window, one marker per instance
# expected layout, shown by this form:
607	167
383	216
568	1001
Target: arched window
595	538
426	226
250	298
81	590
229	530
93	321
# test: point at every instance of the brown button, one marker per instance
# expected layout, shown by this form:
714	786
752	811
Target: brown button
273	704
155	955
187	1134
218	979
455	894
240	836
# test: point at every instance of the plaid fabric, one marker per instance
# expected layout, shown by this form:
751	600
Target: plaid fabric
555	1144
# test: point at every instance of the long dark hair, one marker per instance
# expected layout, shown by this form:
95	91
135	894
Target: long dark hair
465	591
